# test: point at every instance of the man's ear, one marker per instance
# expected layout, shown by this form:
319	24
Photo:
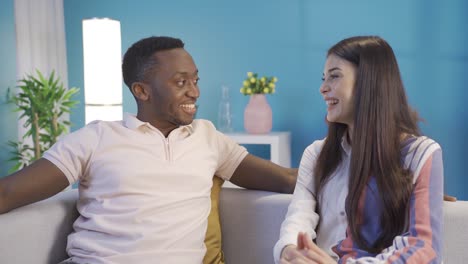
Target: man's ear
141	91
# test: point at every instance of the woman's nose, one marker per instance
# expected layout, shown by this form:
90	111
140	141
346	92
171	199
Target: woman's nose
324	88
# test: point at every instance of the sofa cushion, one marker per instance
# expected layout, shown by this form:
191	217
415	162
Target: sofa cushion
213	240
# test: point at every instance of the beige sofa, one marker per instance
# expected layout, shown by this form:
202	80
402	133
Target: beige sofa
250	222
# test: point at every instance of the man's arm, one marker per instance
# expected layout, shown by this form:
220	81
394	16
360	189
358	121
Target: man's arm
36	182
259	174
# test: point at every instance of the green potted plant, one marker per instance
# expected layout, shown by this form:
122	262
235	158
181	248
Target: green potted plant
42	101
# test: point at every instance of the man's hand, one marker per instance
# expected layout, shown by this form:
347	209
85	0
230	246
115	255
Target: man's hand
449	198
305	252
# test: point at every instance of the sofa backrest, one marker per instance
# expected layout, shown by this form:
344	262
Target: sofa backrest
37	233
456	232
250	221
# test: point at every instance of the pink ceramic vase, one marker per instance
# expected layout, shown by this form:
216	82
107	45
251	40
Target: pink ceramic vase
257	115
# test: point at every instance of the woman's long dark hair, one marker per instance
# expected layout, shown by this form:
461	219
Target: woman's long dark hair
382	115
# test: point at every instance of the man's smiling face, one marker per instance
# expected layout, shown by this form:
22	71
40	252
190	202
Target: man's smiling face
174	88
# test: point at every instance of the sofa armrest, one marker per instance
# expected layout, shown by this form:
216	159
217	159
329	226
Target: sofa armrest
37	233
250	223
455	232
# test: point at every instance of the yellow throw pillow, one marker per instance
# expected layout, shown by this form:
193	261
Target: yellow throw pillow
214	252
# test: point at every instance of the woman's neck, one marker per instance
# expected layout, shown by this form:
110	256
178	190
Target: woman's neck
349	134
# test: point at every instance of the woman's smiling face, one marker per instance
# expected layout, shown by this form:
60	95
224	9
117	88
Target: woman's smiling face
337	89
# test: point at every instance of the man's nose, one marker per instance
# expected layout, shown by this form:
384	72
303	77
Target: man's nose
193	90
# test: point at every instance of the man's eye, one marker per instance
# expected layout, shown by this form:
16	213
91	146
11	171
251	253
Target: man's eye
333	76
196	81
180	83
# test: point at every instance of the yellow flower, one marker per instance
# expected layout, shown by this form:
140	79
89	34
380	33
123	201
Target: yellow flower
257	84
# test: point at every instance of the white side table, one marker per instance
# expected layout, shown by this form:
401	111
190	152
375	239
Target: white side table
280	146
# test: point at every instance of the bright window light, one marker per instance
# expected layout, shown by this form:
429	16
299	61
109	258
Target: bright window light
102	51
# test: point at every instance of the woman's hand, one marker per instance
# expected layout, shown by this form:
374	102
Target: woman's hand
292	255
305	252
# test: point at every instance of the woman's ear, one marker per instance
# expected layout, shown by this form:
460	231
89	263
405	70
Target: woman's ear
141	91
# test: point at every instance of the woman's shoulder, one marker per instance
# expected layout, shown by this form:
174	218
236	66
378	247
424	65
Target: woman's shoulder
417	150
315	147
419	145
311	152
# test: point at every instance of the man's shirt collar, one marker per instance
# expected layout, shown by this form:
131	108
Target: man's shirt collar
132	122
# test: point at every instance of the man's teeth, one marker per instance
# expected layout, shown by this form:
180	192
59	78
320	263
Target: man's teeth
188	106
331	102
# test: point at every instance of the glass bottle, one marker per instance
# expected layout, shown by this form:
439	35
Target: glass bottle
224	112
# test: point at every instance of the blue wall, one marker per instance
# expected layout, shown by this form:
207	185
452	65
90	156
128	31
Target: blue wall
288	39
8	120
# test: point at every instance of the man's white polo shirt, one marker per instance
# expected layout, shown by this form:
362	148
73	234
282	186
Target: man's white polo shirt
143	198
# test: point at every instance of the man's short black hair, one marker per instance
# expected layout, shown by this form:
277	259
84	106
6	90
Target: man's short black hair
138	59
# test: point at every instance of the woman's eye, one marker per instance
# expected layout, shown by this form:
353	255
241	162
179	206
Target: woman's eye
329	77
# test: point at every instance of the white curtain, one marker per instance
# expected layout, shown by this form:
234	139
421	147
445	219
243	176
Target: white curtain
40	41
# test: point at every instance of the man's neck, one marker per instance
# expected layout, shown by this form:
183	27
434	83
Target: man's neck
165	129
